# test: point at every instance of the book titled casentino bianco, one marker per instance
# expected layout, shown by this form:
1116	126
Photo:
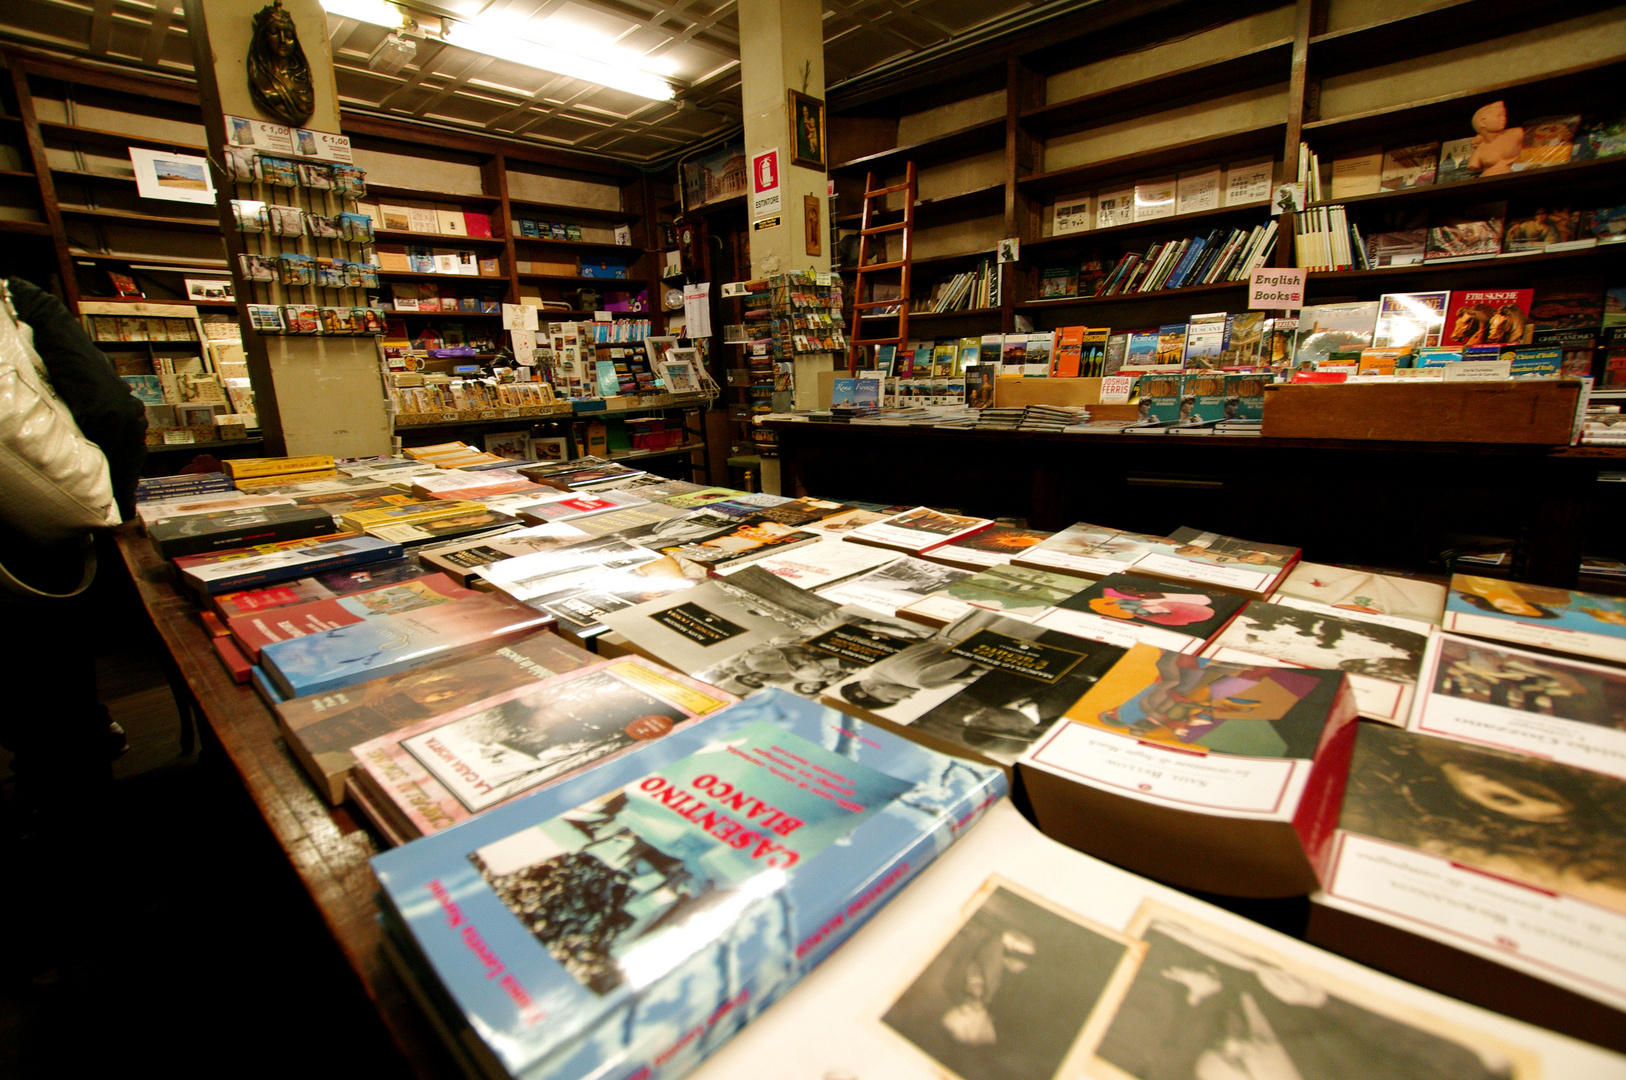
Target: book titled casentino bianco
627	921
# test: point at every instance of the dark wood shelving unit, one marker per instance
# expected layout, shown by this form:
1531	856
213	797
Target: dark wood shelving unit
418	239
1187	155
972	139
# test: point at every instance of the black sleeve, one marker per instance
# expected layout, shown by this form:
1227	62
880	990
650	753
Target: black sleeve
101	402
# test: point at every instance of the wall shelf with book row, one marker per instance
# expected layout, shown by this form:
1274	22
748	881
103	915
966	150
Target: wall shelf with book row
391	235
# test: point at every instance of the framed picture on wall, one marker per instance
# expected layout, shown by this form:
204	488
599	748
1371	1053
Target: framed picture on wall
806	130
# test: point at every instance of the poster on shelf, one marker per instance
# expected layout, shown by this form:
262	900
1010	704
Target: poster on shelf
160	174
524	346
519	317
697	310
267	138
765	199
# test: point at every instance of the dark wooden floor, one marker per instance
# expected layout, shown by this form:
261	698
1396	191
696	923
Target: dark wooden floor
171	933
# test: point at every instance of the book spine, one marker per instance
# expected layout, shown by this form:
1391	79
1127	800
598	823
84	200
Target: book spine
1187	259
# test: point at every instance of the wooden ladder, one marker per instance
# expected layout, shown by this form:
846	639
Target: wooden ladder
858	342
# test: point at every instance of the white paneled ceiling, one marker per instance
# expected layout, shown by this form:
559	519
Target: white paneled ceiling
694	44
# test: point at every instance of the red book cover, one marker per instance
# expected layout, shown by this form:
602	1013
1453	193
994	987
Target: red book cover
254	632
233	658
1491	317
477	224
1069	353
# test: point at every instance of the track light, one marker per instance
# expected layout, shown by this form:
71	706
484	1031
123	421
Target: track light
506	45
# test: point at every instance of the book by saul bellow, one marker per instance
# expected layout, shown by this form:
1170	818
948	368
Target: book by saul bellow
629	920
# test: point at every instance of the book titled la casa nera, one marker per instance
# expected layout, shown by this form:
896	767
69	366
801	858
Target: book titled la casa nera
627	921
368	649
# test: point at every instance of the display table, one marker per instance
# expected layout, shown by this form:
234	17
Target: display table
327	846
1394	504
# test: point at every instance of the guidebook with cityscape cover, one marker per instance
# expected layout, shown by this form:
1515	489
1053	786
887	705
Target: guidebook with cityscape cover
1542	616
631	919
321	729
1493	876
351	654
1205	774
443	770
1015	958
1382	661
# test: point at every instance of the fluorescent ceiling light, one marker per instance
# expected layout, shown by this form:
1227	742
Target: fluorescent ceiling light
375	12
505	45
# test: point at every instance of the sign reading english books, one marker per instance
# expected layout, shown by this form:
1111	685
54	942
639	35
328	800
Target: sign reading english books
765	184
1278	288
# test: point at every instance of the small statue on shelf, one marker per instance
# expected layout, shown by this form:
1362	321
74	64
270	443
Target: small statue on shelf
1496	146
279	76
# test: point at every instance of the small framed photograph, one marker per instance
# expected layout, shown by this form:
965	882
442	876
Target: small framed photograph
176	177
680	371
806	130
199	289
659	348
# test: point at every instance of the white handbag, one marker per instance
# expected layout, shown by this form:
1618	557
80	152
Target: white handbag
54	483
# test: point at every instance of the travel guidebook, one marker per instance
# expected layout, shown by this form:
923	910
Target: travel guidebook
320	730
1126	608
1202	773
1489	854
1016	958
631	919
351	654
1090	550
1567	711
1382	661
1563	620
458	763
984	687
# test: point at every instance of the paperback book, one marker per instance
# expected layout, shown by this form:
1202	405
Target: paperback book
894	586
1244	565
324	586
1354	593
1016	592
825	562
1127	608
341	657
462	560
199	534
247	568
255	631
1382	662
320	730
1088	550
809	665
1205	774
1562	620
916	530
994	546
588	890
433	774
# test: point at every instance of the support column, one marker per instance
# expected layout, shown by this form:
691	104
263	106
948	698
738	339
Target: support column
313	394
782	49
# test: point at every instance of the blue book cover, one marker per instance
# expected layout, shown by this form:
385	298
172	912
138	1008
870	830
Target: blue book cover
609	384
1141	349
390	643
1187	261
626	922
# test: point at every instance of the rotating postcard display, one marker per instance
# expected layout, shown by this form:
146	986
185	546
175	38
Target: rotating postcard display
307	250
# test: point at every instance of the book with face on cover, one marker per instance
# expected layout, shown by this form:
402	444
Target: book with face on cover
320	730
984	687
1542	616
1382	661
641	905
1205	774
1449	854
447	768
333	659
1014	957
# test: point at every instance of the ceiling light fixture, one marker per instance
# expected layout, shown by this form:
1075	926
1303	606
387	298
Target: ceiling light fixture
508	46
373	12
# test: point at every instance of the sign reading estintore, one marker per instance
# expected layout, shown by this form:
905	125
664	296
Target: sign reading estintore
765	198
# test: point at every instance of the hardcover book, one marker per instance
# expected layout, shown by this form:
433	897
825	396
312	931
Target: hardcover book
1382	661
317	587
255	631
1328	328
1410	166
1205	774
320	730
433	774
590	890
919	529
1560	620
1017	592
1192	555
215	502
1470	869
198	534
1363	594
895	585
341	657
985	687
1495	317
1123	609
1091	968
1410	320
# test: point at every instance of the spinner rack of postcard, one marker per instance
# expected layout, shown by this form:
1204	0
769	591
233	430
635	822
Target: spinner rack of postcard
315	259
759	376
